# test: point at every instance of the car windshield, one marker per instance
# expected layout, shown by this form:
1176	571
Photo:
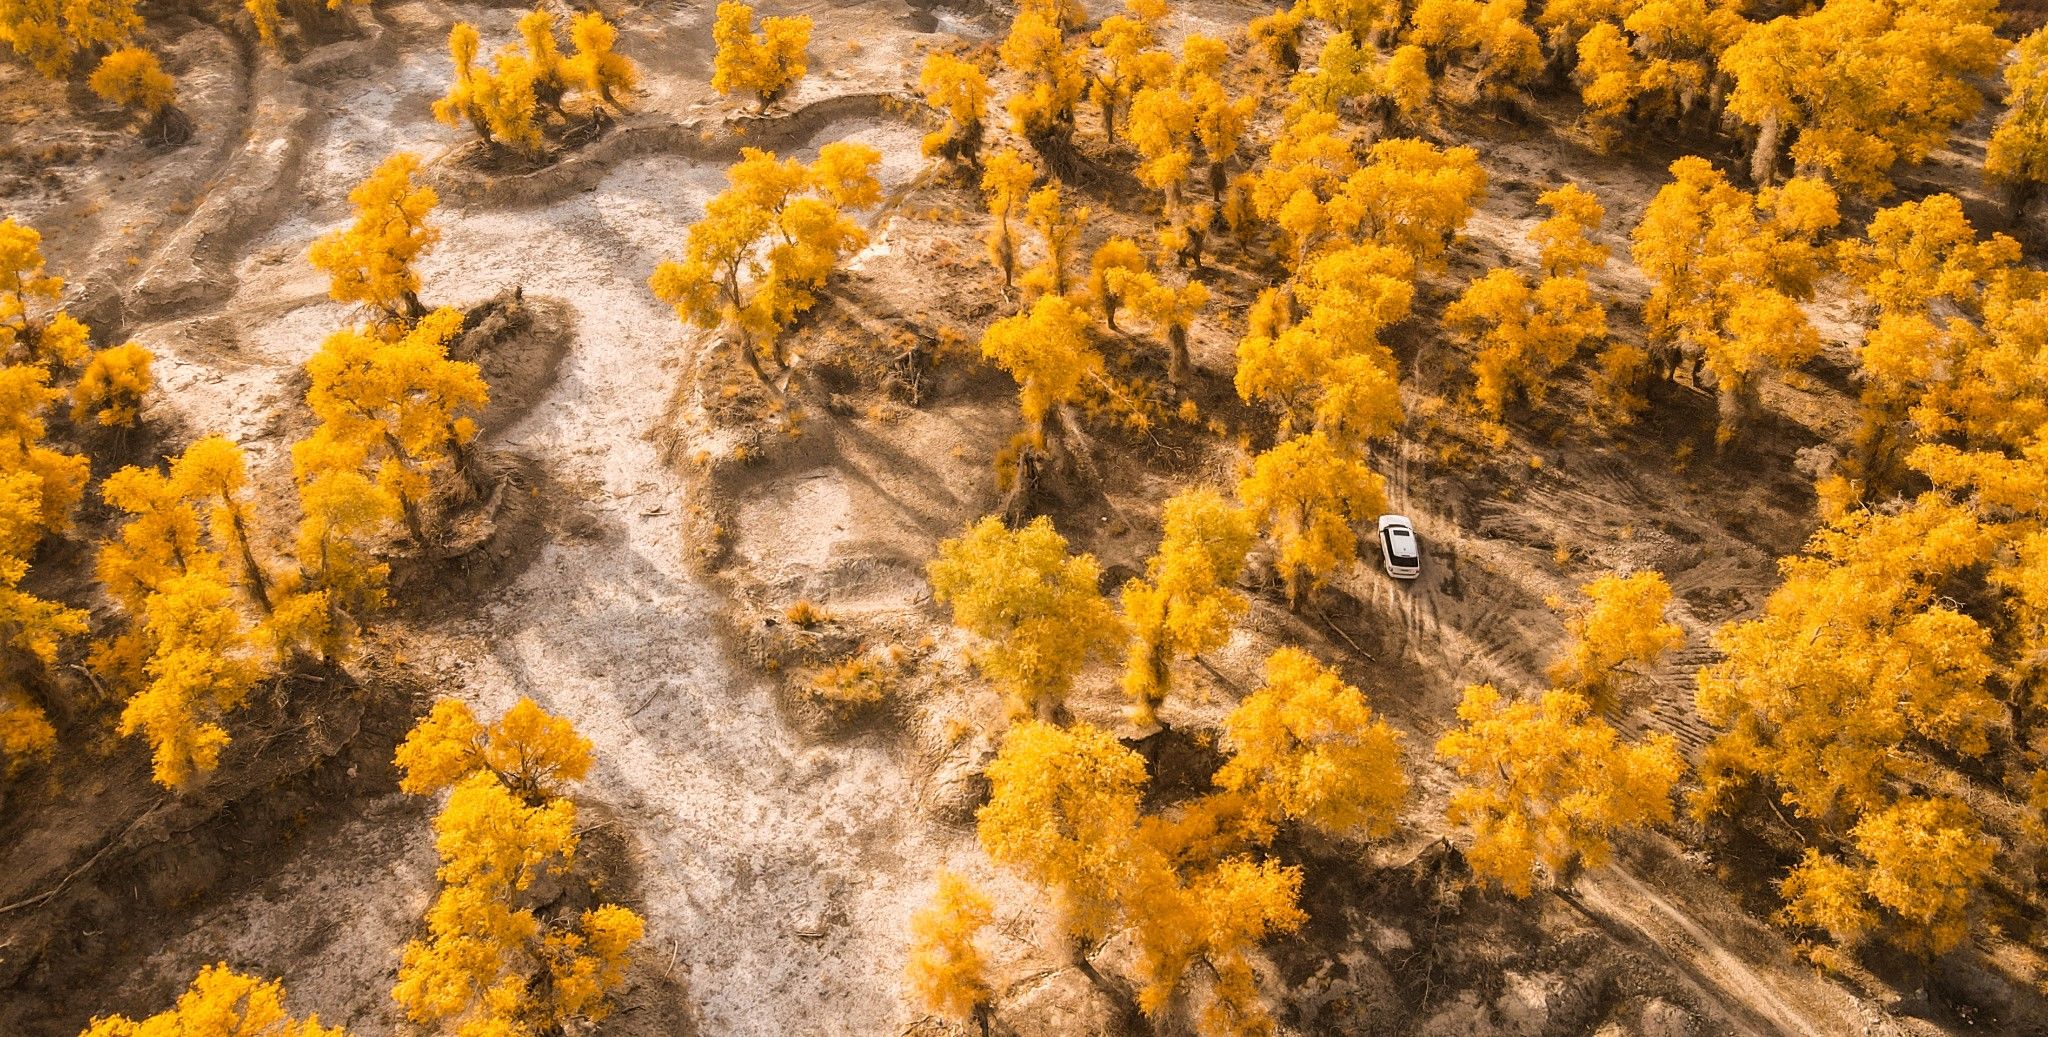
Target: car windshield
1401	544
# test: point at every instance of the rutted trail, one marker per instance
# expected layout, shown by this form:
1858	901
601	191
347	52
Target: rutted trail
780	871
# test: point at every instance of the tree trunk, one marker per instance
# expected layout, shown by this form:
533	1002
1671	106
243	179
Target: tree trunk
1179	368
1763	162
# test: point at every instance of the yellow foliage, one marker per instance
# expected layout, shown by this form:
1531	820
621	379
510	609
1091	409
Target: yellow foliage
1059	229
1865	84
201	663
31	326
1620	624
1130	62
1564	249
1063	811
1053	77
25	731
397	408
1727	270
59	478
594	66
1547	783
1006	180
1306	747
1187	601
1882	657
1330	372
1278	35
728	280
370	262
1048	351
1306	493
496	959
111	389
2018	152
1917	869
219	1003
49	34
1037	609
1523	336
768	62
131	78
947	973
527	750
959	91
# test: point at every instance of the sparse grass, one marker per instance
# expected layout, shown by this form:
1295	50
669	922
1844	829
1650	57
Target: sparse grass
806	614
862	680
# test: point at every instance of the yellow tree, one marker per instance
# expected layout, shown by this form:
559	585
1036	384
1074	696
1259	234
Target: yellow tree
1036	609
768	62
1638	60
25	394
1616	633
220	1003
1547	783
1007	182
1563	247
1329	371
544	55
1942	296
345	514
947	972
1187	601
2017	156
1127	43
1727	270
132	78
401	406
201	662
188	656
370	261
52	34
1306	493
1047	349
768	243
111	389
1063	811
958	91
1884	657
1914	876
1171	310
1861	85
502	102
594	66
498	955
212	477
1523	335
1059	232
1111	270
1052	80
536	755
1306	747
1508	53
32	326
1278	36
34	627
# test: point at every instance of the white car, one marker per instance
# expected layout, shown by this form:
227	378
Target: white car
1398	547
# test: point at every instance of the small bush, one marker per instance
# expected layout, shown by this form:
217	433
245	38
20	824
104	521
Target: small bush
862	680
807	614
